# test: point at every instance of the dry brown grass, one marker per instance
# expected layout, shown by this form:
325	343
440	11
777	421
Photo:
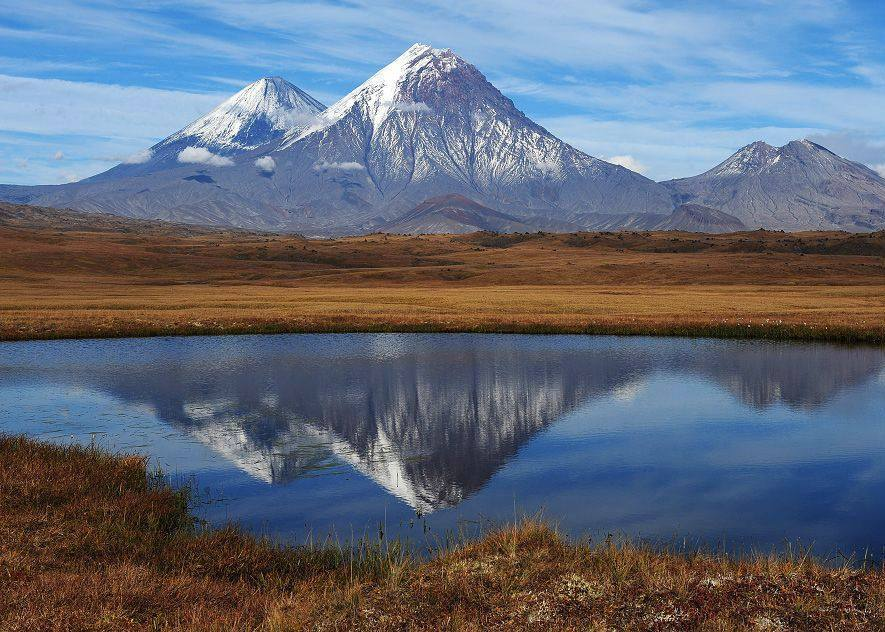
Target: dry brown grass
118	280
89	541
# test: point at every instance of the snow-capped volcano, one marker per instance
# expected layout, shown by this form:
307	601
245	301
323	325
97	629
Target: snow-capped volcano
262	112
258	114
430	124
800	186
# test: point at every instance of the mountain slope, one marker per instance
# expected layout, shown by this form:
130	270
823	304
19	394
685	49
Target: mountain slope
800	186
454	214
695	218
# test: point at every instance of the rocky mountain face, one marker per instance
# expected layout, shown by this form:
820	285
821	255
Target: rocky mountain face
800	186
694	218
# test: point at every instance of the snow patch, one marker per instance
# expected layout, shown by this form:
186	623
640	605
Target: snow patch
481	118
547	166
418	107
202	156
266	164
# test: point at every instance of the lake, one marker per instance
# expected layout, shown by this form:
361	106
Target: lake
735	444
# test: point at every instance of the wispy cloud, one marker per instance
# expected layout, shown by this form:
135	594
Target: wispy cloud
716	73
338	166
418	107
53	106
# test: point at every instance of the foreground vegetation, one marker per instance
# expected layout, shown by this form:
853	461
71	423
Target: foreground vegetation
90	540
74	275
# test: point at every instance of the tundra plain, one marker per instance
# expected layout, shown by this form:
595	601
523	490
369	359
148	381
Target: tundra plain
65	275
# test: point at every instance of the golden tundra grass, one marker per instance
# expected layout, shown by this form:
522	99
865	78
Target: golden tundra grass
92	541
148	280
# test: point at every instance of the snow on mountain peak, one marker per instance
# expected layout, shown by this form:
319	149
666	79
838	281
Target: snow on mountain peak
260	112
759	157
753	158
420	81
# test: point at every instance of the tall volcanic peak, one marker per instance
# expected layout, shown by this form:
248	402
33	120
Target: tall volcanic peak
431	124
799	186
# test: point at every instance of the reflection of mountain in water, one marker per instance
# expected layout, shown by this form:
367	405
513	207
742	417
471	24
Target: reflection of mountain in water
804	377
431	418
430	424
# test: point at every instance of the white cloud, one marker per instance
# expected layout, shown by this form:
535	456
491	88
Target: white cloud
266	164
59	155
202	156
628	162
880	169
338	166
139	157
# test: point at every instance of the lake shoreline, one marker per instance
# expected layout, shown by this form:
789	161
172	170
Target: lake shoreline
94	537
725	331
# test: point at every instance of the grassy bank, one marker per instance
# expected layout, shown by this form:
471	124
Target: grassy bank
90	540
60	308
751	331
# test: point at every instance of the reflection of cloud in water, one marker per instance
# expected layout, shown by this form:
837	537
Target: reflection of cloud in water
429	418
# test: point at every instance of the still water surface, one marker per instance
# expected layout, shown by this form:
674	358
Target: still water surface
741	444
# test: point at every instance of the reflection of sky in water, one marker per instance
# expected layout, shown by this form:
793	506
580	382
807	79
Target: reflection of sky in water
743	442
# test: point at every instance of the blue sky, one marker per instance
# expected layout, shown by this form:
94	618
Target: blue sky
668	88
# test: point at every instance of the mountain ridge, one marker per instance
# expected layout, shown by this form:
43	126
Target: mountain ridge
798	186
